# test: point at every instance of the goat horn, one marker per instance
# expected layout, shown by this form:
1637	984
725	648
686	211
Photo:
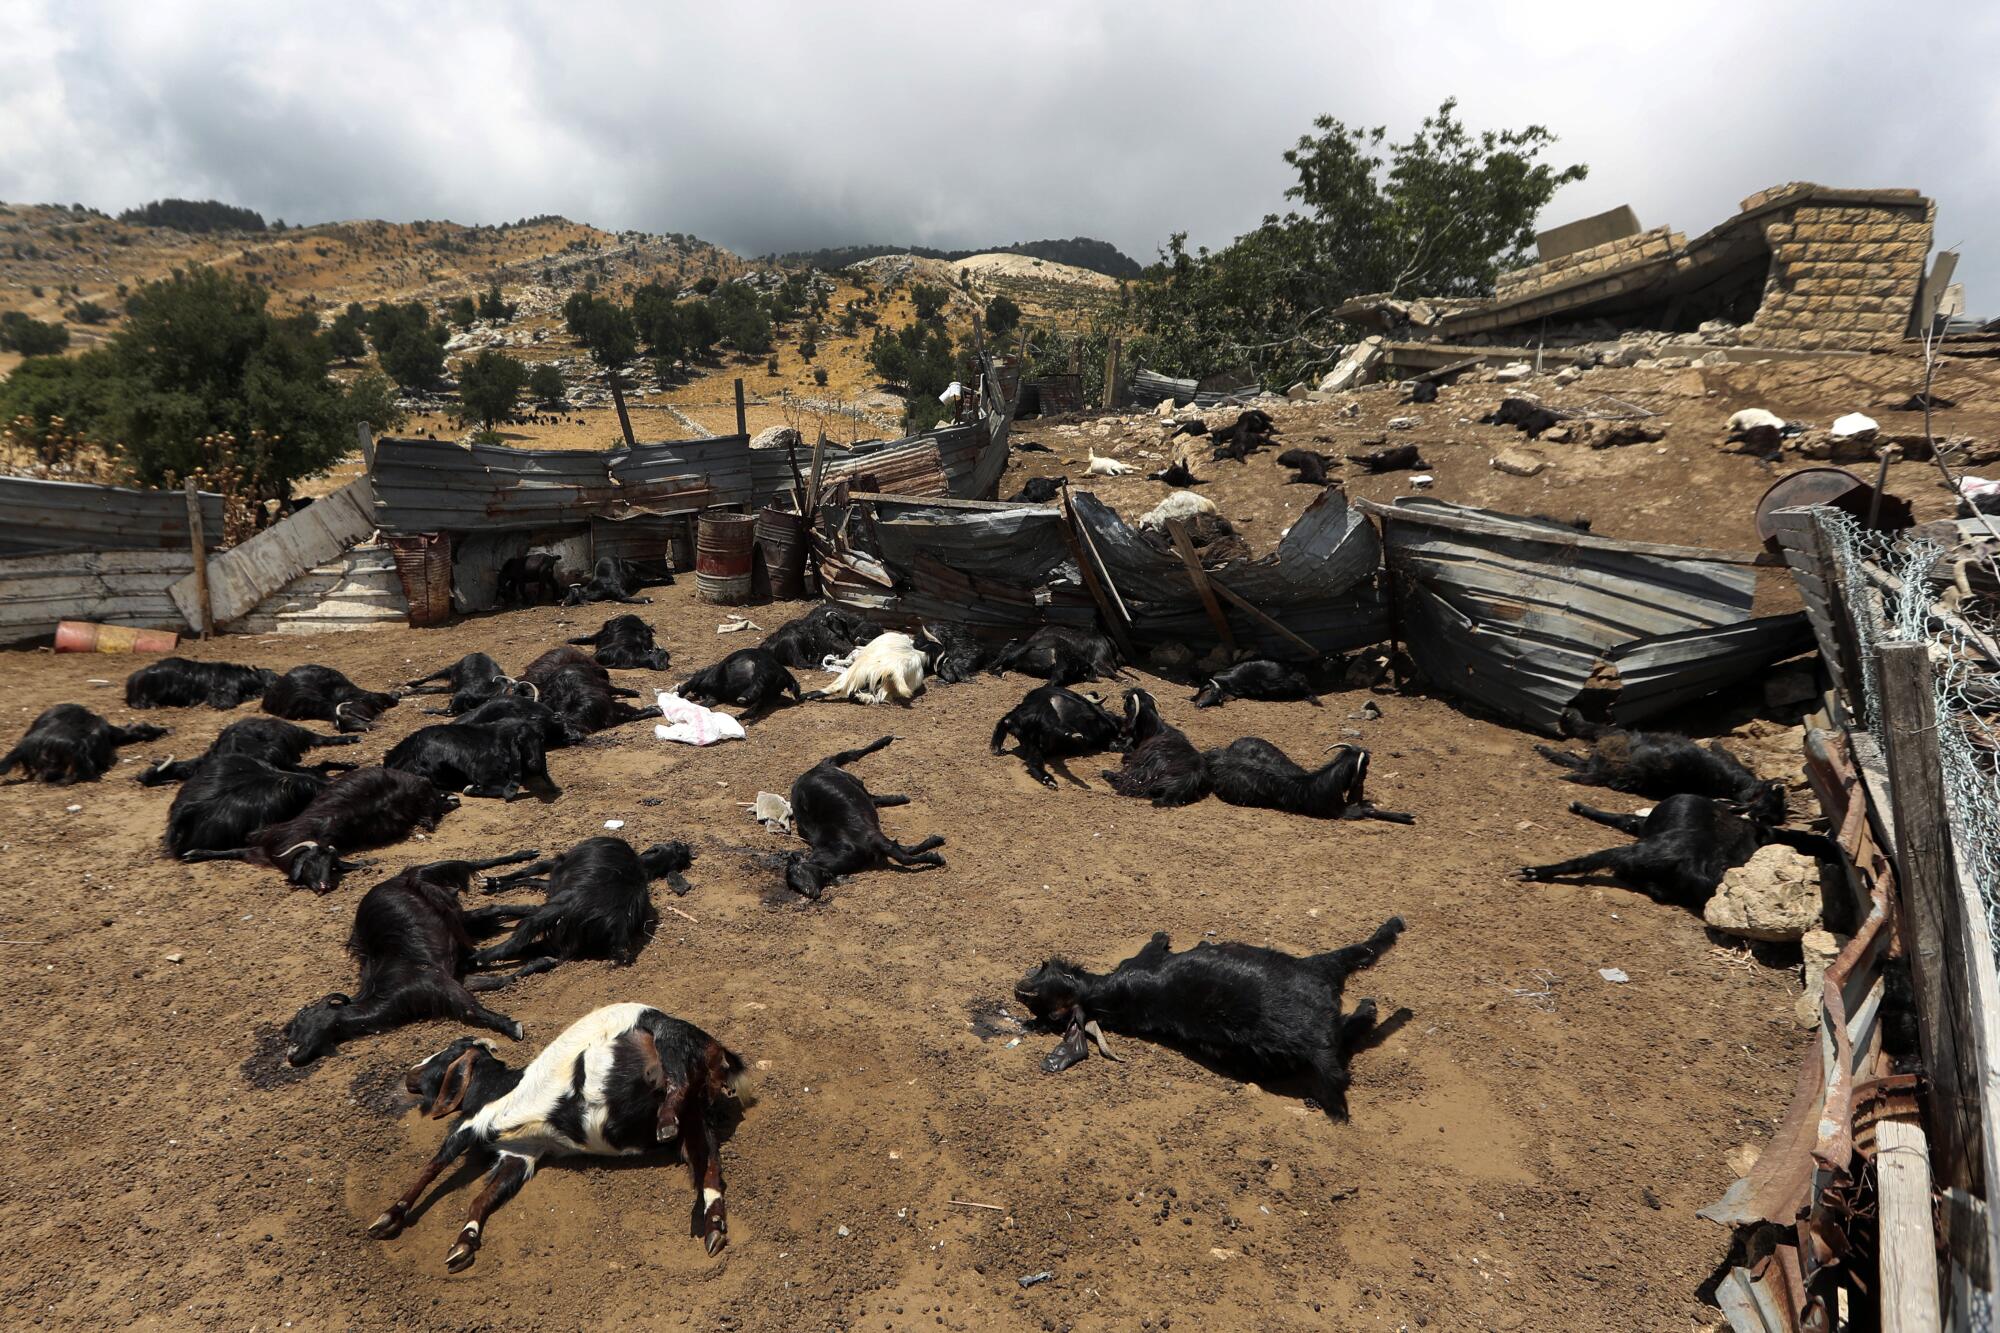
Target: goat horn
337	708
296	846
1096	1034
534	692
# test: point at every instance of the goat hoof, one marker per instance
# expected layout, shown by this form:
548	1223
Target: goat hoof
516	1031
387	1226
717	1237
462	1254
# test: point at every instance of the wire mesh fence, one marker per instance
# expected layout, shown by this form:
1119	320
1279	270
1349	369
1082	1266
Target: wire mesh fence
1887	584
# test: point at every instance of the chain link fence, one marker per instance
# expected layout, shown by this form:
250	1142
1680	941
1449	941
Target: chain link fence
1886	582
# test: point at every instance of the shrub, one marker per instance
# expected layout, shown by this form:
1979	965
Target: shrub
545	385
489	386
31	337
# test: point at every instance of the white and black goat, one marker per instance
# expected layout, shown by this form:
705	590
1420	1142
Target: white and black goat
834	812
1254	772
1161	763
598	906
1051	722
68	743
321	694
625	643
753	678
412	942
1258	1012
888	668
370	807
619	1081
176	682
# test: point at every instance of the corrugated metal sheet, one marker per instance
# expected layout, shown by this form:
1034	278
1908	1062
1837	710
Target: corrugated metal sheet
1518	614
1147	388
38	515
242	577
437	486
110	587
1662	673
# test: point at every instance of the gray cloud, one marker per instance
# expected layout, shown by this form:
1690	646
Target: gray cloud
770	126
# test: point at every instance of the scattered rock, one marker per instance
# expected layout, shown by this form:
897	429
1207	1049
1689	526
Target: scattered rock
1356	367
1854	426
1820	948
1297	392
1612	434
1742	1159
1402	423
1423	481
1615	975
174	957
1568	375
1514	373
1518	463
776	437
1364	670
1558	435
1775	896
1218	659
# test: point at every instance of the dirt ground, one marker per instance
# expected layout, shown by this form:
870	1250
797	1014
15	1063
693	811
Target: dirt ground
1527	1152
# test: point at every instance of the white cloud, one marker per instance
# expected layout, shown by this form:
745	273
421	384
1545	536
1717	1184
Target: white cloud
767	126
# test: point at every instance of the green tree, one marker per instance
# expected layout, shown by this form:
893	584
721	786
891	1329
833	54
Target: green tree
1002	315
89	312
929	300
545	385
31	337
1440	215
493	306
488	387
343	336
463	312
372	399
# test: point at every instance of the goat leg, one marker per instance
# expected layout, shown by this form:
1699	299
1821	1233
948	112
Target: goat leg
485	920
473	1012
393	1218
705	1167
502	1183
883	802
1632	824
1074	1048
528	969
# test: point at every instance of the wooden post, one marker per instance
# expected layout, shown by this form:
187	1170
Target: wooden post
618	401
199	539
1908	1260
1111	374
1200	576
742	421
366	439
1927	885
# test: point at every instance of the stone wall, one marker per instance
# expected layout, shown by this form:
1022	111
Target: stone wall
1609	257
1845	268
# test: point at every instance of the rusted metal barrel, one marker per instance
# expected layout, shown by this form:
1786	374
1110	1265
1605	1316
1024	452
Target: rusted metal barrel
722	557
423	563
781	542
84	636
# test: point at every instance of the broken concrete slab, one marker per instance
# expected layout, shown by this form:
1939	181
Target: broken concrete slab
1774	896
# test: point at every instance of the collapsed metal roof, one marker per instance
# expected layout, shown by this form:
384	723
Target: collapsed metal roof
39	516
1523	615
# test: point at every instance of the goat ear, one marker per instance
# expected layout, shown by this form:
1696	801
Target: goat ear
451	1088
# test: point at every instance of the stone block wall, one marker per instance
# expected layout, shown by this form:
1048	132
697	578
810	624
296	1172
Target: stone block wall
1647	246
1845	270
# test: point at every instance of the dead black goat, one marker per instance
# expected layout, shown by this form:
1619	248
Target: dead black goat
1176	474
825	631
1060	655
1685	846
528	578
1308	466
1037	491
1252	430
750	677
514	708
579	691
273	740
370	807
321	694
412	945
230	797
1393	458
1051	722
68	743
625	643
1254	772
1257	678
836	816
954	653
1161	764
599	905
470	681
176	682
1659	764
1523	414
611	580
500	760
1258	1012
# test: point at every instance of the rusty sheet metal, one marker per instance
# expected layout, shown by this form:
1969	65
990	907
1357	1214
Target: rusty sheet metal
1517	614
39	516
1666	671
1147	388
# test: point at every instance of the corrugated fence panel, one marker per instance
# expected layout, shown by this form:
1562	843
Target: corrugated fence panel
110	587
38	515
240	578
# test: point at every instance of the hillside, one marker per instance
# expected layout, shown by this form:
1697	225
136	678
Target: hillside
58	262
1083	252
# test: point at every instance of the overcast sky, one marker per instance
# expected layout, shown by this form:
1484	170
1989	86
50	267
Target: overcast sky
768	126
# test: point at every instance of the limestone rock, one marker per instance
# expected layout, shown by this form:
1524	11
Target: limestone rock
1356	367
1855	426
1568	375
1518	463
1775	896
1514	373
776	437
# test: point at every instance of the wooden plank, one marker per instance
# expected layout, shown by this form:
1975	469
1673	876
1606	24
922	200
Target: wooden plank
1200	576
1934	934
244	576
618	401
1572	541
1257	613
1907	1242
1097	580
204	620
742	421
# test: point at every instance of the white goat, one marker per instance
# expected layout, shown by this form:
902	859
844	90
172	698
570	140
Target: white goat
889	666
1106	467
1180	506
